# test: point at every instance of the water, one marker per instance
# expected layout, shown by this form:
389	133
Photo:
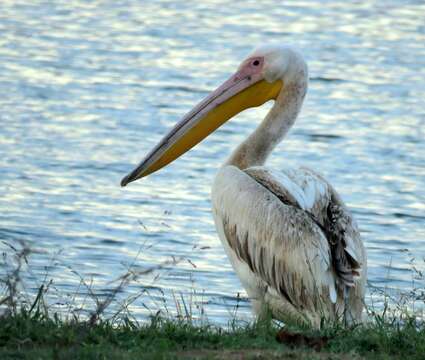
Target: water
87	88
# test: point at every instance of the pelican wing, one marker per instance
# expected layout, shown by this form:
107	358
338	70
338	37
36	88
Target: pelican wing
308	191
279	242
276	226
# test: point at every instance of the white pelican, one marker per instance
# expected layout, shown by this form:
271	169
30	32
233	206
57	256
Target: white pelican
289	236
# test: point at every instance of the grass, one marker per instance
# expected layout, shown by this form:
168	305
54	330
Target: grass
31	329
31	336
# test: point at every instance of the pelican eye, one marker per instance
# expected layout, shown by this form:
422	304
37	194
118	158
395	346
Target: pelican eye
256	62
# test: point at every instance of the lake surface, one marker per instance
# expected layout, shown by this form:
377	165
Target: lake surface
88	87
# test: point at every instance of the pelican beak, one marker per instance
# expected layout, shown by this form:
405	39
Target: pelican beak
245	89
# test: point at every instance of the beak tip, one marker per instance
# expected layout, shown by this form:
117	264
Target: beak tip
125	180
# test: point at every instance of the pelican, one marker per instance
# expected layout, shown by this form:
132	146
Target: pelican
288	235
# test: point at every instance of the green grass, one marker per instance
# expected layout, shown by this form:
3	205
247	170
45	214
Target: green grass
33	336
30	328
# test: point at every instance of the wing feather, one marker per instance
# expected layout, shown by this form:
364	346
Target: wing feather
279	242
292	231
326	209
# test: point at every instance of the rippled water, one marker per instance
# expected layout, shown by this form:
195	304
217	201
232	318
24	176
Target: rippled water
87	88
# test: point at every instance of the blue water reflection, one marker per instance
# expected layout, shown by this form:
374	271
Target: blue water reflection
87	88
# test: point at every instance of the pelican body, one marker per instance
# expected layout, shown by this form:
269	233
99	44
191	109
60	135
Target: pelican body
288	235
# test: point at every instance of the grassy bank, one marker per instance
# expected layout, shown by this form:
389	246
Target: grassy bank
32	336
31	328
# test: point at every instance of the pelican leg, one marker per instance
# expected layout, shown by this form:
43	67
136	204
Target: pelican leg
283	310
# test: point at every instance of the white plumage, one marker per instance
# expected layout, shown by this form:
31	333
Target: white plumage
288	235
281	255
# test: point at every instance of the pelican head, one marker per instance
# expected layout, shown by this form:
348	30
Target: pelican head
261	77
